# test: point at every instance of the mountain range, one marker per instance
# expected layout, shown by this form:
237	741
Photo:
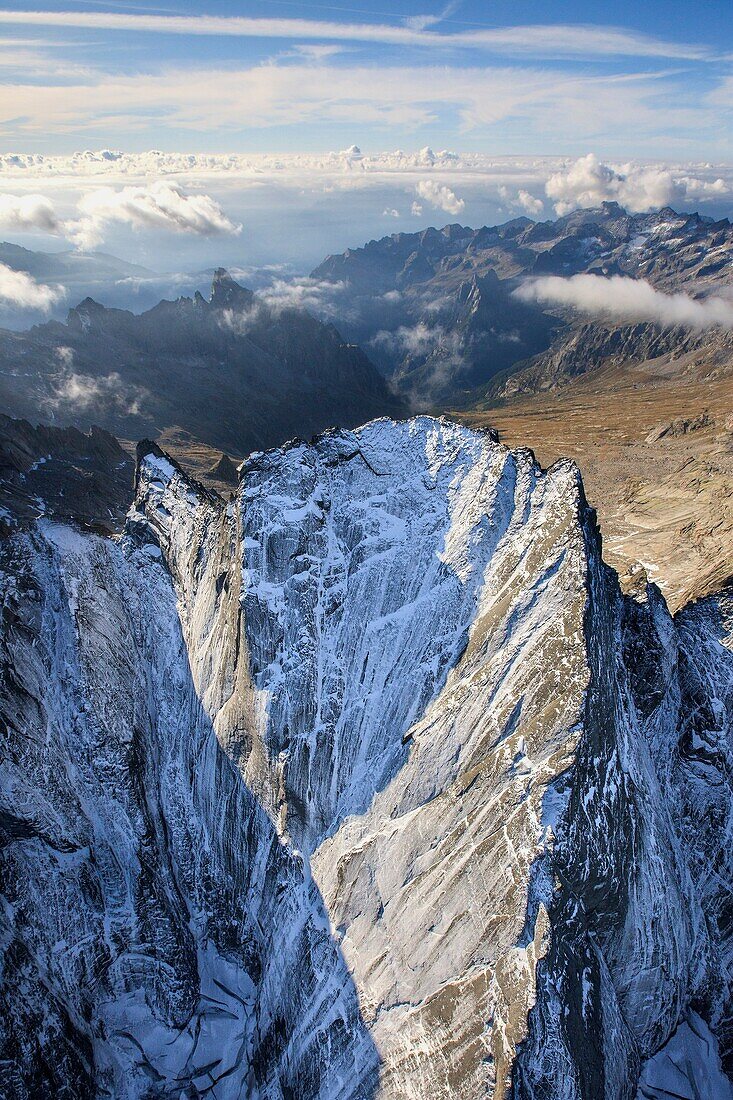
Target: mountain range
435	309
231	370
72	267
370	767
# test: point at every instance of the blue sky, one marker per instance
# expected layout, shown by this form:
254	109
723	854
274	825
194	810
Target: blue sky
255	110
651	78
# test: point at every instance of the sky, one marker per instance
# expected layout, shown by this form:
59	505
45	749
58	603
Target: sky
498	77
258	133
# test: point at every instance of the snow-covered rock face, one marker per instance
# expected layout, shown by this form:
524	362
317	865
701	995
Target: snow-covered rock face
368	783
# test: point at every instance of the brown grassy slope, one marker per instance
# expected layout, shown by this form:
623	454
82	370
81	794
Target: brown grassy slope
665	503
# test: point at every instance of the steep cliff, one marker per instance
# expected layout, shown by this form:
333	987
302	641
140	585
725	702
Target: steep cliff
367	783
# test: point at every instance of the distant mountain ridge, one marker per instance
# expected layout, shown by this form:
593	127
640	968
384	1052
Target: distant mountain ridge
231	370
70	266
408	294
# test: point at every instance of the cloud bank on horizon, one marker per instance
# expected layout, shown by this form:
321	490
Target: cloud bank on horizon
169	192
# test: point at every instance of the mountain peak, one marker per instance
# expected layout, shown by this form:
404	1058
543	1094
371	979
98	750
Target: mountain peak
83	315
226	293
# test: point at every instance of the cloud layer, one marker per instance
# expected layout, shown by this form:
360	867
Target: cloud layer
621	298
518	182
588	182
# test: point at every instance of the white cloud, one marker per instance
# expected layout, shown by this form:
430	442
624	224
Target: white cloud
303	293
552	40
553	106
282	294
523	200
517	179
161	205
587	182
20	290
83	392
390	213
24	213
440	348
529	203
416	209
440	196
422	22
65	355
625	299
419	341
315	52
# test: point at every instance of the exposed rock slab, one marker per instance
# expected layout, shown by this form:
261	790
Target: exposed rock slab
385	789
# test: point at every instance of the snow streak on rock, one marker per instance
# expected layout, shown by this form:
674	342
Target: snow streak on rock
366	783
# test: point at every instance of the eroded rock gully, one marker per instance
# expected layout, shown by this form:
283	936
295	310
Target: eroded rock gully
368	783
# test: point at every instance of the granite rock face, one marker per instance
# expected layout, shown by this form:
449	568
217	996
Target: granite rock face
368	783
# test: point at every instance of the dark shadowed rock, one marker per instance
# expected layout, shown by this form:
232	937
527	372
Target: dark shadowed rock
224	470
64	473
234	372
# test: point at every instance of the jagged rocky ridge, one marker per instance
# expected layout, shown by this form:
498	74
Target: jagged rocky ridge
233	370
367	783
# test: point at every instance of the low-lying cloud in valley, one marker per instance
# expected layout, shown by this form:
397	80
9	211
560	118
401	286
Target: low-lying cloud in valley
83	393
625	299
416	340
278	295
21	291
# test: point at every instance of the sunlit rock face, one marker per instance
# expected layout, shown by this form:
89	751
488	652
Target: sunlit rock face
367	783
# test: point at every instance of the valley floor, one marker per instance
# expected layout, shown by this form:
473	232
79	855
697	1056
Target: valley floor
666	502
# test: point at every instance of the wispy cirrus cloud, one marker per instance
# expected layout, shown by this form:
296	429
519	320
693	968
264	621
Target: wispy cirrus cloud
546	105
538	40
625	299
